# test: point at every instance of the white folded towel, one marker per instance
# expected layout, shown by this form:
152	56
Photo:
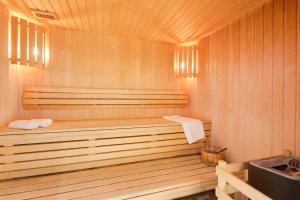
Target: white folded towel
31	124
24	124
193	128
43	123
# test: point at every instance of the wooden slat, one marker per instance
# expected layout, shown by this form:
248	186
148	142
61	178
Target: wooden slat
31	44
100	102
105	124
80	144
39	45
14	39
90	174
80	98
100	182
290	75
23	42
94	157
45	182
100	91
97	107
65	147
120	182
52	95
178	192
148	188
65	152
88	165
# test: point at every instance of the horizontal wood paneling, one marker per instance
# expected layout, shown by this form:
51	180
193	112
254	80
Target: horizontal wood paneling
249	83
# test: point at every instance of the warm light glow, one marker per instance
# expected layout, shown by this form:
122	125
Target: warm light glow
9	40
32	44
182	66
35	51
186	61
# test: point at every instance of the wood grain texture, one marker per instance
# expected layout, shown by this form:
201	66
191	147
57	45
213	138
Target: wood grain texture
84	98
254	91
85	60
162	179
70	146
157	20
12	77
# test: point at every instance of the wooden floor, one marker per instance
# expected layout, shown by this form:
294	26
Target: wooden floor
176	177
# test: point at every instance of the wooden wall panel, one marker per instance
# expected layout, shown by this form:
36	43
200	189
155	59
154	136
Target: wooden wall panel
254	92
278	74
267	96
80	59
171	21
298	82
23	42
290	74
14	40
12	77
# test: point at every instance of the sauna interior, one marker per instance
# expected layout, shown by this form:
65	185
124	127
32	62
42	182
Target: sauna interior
149	99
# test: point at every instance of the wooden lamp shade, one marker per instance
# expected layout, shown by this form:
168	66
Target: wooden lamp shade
186	61
27	43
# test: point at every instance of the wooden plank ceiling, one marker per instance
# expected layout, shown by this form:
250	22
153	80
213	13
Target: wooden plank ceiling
170	21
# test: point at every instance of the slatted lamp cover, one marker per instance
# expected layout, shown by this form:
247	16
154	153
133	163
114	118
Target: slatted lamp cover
186	59
26	44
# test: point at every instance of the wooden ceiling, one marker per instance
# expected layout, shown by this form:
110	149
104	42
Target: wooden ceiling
170	21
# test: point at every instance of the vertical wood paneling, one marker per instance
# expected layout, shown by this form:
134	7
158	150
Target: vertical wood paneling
31	44
156	20
298	82
39	45
250	69
290	74
259	81
12	77
267	101
278	74
14	40
80	59
243	86
23	42
234	63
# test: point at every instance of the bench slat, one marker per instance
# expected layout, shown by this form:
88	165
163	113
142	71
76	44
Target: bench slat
81	145
94	175
119	170
124	181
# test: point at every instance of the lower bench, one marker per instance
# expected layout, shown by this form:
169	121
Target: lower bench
125	159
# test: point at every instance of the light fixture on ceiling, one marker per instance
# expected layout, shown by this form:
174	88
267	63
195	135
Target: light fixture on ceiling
44	14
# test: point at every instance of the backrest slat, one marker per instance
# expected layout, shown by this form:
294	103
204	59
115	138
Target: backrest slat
89	98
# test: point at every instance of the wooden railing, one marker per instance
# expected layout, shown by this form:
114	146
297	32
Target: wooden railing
232	178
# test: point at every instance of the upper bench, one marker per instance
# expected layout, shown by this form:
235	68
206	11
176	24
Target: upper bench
35	97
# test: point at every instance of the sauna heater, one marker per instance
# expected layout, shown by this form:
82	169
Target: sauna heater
278	178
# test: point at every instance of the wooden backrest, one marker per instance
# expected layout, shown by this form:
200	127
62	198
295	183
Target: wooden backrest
84	98
77	145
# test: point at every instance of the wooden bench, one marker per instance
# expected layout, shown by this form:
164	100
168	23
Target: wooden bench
102	159
83	98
